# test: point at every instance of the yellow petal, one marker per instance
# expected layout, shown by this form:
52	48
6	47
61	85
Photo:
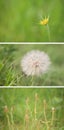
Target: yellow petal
44	22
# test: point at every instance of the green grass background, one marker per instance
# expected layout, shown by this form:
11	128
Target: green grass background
17	97
11	72
19	20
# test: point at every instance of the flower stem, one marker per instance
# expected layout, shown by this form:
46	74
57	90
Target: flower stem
8	121
45	115
52	120
35	107
12	121
48	31
32	81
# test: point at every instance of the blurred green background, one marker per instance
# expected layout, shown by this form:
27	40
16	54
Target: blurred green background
17	98
11	71
19	20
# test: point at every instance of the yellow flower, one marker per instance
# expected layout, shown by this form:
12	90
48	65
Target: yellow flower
44	21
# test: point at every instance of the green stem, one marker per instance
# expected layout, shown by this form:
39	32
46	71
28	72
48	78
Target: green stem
8	121
32	81
12	121
52	118
46	121
48	30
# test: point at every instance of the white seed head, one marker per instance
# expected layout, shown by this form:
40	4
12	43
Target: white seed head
35	62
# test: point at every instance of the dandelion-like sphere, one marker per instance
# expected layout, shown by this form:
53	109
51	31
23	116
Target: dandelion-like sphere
35	62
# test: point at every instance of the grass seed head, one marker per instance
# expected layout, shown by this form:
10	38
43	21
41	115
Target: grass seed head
36	96
6	109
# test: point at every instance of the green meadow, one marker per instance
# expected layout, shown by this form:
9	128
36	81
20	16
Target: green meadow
11	73
20	20
32	109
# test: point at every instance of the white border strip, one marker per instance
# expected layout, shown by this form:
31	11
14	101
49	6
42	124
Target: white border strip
31	87
31	42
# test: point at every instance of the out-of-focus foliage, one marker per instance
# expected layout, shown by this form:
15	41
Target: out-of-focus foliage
19	20
11	72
